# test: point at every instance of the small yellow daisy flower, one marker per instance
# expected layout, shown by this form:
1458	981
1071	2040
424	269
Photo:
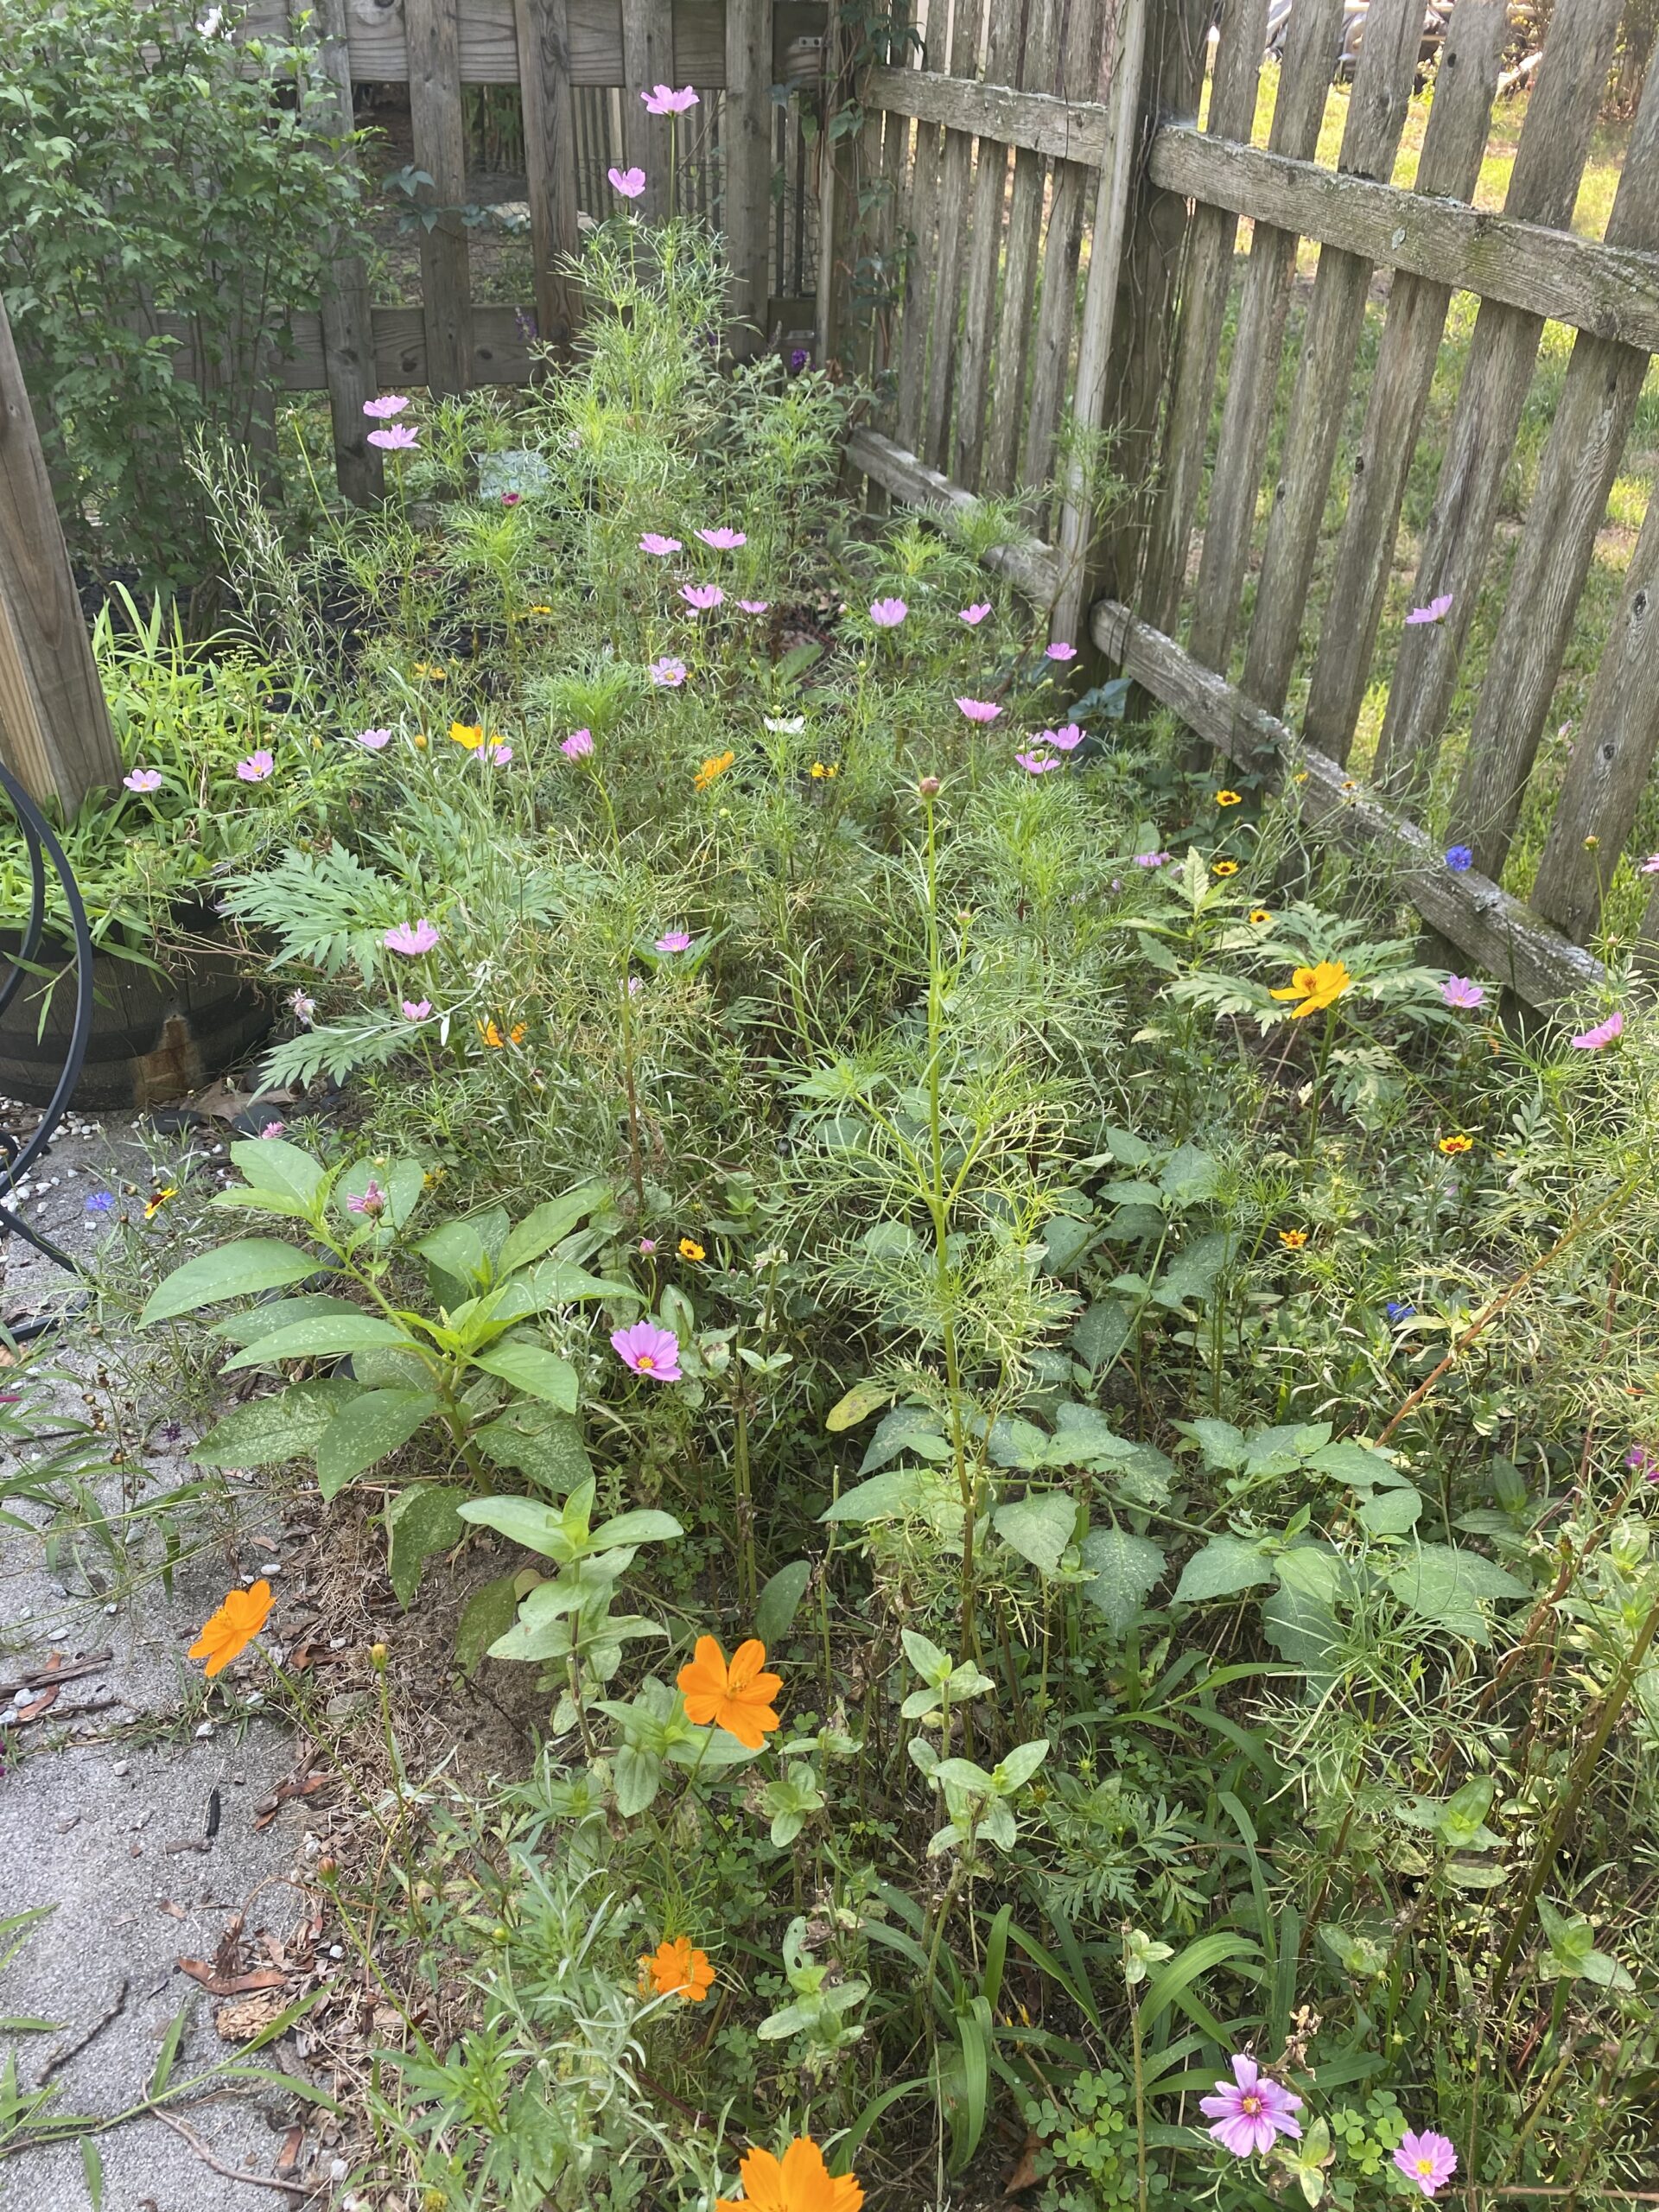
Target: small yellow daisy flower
1452	1146
690	1249
1292	1239
433	675
1229	799
1224	868
1260	917
825	774
167	1191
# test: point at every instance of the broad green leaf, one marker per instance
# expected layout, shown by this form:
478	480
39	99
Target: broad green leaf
779	1601
643	1527
1125	1567
283	1426
533	1370
421	1521
367	1430
539	1441
1298	1618
856	1405
240	1199
265	1319
329	1337
456	1248
402	1181
1391	1512
546	1224
1446	1586
1039	1527
1065	1240
1222	1445
385	1367
1225	1567
523	1520
561	1282
229	1271
883	1497
1102	1334
269	1164
924	1656
487	1614
1021	1763
1190	1175
636	1776
1281	1450
1016	1443
1356	1464
907	1429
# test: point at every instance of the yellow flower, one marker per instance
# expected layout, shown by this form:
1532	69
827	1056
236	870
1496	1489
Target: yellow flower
1224	868
427	669
1292	1239
539	610
712	769
467	733
1229	799
495	1041
823	774
167	1191
1452	1146
420	738
1316	986
1260	917
690	1249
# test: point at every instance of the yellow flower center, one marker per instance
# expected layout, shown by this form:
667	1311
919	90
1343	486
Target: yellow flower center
1425	2166
646	1361
1252	2105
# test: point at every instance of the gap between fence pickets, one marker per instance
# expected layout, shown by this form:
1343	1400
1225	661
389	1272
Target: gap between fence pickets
1503	937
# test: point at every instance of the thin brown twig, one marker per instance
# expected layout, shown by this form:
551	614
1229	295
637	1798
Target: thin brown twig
234	2173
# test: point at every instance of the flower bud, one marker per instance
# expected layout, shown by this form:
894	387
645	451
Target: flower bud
928	787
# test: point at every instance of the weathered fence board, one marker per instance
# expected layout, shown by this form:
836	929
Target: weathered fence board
440	140
347	322
488	42
549	108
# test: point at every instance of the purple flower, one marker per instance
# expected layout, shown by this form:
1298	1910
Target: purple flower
1064	740
755	605
1650	866
373	741
979	710
400	437
372	1202
411	938
888	613
258	765
578	745
1038	764
654	542
663	99
1639	1459
1436	611
100	1201
704	598
1591	1040
723	540
1059	650
673	941
1459	859
416	1009
647	1245
974	615
799	357
1462	990
143	779
667	671
511	499
1397	1310
384	409
274	1130
1426	2159
1152	859
303	1009
497	755
1249	2111
648	1350
636	984
629	182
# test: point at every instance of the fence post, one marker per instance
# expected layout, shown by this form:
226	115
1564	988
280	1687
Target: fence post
54	728
439	129
347	320
837	192
550	160
749	116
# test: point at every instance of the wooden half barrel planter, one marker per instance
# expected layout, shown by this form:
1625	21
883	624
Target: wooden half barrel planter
153	1038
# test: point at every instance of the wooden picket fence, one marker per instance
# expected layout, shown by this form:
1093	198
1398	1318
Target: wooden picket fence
999	150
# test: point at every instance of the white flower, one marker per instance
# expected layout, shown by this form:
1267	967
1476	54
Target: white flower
784	725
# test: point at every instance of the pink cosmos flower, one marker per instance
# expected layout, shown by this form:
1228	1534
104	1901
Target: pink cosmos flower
654	542
511	499
578	745
667	670
723	540
663	99
399	437
1641	1461
1038	764
143	779
1064	740
258	765
1650	866
1462	990
382	409
704	598
888	614
673	941
416	1009
1152	859
636	984
372	1201
755	605
1249	2111
979	710
497	755
303	1009
1426	2159
273	1128
1436	611
411	938
1591	1040
629	182
1059	650
648	1350
974	615
373	741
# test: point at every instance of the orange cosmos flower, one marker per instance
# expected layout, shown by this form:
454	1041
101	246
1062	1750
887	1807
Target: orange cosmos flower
799	2182
677	1969
233	1627
737	1698
712	769
492	1037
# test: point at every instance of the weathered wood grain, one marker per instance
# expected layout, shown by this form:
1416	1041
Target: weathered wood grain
1331	335
966	23
550	161
489	41
1503	351
1205	283
54	728
1501	936
503	348
648	139
1253	375
749	169
1038	59
1449	167
1586	439
990	191
919	243
1042	123
439	146
348	323
1030	565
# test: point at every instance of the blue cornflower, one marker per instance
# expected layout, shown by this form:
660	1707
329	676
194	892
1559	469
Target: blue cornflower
1397	1311
100	1201
1457	858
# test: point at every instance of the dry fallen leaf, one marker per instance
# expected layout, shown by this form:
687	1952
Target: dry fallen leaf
248	2015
